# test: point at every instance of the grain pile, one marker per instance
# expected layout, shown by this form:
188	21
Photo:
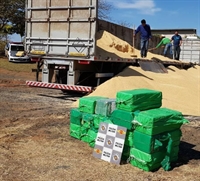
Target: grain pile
180	88
109	45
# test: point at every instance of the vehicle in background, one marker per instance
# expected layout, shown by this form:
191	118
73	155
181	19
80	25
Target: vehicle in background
15	52
190	50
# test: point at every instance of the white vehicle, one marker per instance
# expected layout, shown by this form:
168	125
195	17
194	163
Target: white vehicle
15	52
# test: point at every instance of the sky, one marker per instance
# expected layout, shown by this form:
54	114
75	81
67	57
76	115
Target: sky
159	14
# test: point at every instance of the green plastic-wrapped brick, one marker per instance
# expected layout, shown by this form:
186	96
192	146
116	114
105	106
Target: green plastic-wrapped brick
75	130
129	138
92	138
84	134
105	107
107	120
97	120
122	118
138	99
89	136
155	143
87	104
146	161
87	120
171	156
155	121
75	116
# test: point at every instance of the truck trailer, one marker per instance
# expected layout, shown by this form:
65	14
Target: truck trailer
61	36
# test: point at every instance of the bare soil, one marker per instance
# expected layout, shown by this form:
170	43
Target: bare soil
35	144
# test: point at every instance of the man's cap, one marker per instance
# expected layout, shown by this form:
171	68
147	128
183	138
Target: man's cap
162	35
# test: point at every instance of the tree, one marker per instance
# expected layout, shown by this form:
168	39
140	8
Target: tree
18	19
104	9
12	12
6	12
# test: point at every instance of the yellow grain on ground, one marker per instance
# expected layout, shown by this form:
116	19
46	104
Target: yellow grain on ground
180	88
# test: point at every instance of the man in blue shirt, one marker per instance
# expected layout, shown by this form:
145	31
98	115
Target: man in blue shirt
145	36
177	41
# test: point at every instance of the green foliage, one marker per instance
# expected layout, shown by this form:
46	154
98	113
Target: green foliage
12	12
3	40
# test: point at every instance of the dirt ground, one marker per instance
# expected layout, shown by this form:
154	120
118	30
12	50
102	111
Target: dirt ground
35	144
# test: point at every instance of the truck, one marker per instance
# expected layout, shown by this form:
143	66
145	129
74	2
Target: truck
190	49
14	51
61	36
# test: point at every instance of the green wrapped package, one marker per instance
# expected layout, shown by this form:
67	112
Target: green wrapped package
105	107
152	144
138	99
75	131
97	120
75	116
122	118
87	120
155	121
146	161
107	120
171	155
89	136
129	138
84	134
87	104
92	137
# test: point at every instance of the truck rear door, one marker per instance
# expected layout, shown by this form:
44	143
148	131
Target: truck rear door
64	28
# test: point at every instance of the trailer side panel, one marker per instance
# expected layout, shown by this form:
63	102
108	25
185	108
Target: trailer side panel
61	27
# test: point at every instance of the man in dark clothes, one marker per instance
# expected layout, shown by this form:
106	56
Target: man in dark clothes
177	41
145	36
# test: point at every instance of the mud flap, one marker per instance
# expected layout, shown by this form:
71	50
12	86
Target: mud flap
153	66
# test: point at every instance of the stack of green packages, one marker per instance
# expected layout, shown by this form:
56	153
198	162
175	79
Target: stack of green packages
84	123
153	133
156	138
75	123
128	103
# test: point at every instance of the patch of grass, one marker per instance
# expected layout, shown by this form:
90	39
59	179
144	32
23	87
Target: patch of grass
17	67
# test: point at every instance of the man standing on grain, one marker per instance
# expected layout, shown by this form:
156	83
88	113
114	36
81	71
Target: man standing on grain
177	41
145	36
